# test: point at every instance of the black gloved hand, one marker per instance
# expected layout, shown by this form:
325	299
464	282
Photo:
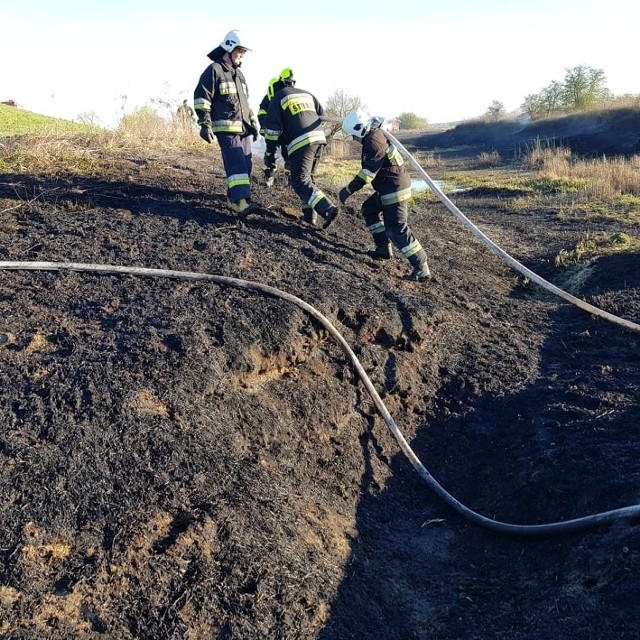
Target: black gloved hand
255	127
343	194
206	133
269	161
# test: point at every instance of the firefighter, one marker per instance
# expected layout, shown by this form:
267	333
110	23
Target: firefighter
221	100
293	119
273	86
269	166
385	211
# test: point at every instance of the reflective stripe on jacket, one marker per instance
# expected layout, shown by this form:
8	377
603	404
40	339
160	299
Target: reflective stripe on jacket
293	118
383	167
262	112
221	99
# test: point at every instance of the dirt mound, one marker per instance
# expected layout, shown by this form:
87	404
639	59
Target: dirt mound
614	132
186	460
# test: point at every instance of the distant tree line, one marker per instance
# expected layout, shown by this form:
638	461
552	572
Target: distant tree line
583	87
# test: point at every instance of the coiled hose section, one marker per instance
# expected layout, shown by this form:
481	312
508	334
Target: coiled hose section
566	526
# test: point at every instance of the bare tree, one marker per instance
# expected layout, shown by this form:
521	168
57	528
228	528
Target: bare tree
496	109
338	104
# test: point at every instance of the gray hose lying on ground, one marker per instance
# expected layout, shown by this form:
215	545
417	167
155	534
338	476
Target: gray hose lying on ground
577	524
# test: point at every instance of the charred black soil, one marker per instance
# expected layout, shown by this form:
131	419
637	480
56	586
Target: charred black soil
609	132
186	460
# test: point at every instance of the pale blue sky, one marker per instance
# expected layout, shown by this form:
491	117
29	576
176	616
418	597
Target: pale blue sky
445	61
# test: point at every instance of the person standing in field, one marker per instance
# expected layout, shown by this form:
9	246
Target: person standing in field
221	101
185	114
386	211
293	119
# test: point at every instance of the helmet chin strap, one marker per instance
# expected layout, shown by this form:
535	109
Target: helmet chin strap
229	60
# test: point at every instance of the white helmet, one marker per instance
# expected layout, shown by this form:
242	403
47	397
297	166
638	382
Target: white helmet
232	40
357	123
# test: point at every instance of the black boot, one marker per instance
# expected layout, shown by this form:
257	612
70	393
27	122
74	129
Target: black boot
420	272
309	216
381	252
330	216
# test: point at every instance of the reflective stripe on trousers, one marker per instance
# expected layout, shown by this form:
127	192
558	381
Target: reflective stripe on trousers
393	219
236	158
303	164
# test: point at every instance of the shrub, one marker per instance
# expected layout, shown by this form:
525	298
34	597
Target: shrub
620	238
492	159
410	120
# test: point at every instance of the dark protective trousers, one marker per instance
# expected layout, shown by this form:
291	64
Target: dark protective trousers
390	223
285	157
269	171
303	164
237	161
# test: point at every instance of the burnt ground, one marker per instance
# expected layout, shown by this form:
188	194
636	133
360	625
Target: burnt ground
188	460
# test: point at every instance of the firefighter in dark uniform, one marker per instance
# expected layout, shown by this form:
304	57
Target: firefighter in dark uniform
386	211
293	119
221	100
274	85
269	166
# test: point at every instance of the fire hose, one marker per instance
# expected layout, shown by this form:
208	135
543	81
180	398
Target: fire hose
576	524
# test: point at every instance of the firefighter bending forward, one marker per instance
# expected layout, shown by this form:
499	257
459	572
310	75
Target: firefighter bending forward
293	118
386	211
269	166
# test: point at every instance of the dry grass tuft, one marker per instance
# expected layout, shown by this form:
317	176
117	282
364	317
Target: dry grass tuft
544	156
608	178
486	160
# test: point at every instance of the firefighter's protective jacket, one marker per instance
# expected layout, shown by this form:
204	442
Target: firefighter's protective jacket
383	167
293	118
274	86
221	100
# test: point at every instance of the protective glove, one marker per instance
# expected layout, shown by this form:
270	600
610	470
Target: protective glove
343	194
255	127
206	133
269	161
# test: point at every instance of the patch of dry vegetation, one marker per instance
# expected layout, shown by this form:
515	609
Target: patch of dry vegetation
583	188
80	149
603	178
